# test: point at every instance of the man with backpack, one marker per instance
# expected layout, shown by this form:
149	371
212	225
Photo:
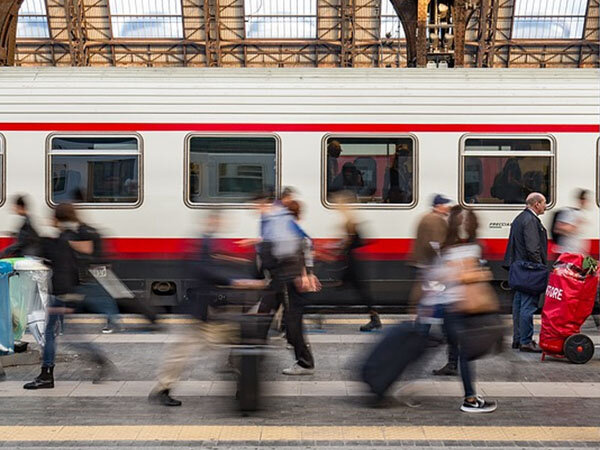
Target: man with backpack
63	254
282	255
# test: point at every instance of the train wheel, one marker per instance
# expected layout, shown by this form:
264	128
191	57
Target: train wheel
578	348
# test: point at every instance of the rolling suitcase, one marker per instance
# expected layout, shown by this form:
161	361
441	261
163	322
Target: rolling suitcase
401	345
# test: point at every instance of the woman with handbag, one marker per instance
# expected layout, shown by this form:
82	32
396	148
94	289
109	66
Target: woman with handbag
459	270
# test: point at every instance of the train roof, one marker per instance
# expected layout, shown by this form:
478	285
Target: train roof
300	95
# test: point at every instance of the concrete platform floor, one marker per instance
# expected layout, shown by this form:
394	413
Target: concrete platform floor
551	404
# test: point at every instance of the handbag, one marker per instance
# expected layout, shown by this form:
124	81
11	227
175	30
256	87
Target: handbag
480	334
478	298
528	277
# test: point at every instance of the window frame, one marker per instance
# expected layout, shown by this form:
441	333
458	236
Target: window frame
49	154
3	171
247	19
181	18
32	39
373	206
502	206
226	205
542	39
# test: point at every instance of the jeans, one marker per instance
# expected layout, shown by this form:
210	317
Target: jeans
97	301
452	326
524	306
50	333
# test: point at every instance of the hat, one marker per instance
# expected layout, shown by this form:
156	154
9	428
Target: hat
439	199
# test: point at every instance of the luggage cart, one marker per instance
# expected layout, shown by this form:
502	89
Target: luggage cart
570	297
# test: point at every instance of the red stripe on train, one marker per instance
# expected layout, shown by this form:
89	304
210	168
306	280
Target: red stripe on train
300	127
178	248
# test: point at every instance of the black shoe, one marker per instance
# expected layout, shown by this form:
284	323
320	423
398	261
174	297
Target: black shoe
532	347
45	380
447	370
374	324
163	398
105	370
516	345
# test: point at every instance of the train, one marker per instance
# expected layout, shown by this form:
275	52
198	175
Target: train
149	151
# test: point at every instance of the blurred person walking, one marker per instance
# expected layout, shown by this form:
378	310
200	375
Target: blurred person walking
282	254
568	224
567	233
431	232
466	229
61	252
352	275
27	241
206	329
527	242
460	255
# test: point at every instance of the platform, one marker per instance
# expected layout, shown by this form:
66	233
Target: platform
551	404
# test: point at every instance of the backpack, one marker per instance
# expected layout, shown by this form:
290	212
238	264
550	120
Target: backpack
554	235
88	233
281	248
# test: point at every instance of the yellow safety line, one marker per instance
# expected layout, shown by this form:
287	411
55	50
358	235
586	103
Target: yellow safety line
294	433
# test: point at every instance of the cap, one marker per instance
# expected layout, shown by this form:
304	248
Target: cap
439	199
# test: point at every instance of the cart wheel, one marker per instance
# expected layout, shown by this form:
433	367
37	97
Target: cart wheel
578	348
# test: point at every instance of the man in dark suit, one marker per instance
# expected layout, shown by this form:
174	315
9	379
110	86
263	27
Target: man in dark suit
528	241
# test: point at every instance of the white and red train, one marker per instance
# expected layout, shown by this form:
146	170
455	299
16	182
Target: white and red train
149	148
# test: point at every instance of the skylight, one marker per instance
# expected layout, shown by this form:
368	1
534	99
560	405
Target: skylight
281	19
549	19
33	21
146	19
391	28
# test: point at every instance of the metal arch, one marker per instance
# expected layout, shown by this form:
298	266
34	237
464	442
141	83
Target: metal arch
9	11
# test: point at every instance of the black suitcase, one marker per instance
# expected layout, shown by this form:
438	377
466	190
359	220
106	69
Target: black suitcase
402	345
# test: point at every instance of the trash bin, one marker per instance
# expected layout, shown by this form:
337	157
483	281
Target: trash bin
31	302
6	326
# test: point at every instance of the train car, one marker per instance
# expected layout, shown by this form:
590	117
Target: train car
148	151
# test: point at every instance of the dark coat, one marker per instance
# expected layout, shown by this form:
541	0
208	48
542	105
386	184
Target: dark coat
528	240
206	276
27	242
63	262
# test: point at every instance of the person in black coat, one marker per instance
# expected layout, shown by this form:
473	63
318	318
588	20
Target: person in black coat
206	278
527	241
27	240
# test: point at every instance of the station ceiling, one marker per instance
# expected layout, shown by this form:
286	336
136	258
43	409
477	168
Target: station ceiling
308	33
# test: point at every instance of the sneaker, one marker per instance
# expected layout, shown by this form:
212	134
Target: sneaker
447	370
479	406
297	369
374	324
108	330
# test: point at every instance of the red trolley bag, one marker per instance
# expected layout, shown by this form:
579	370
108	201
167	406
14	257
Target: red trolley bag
570	297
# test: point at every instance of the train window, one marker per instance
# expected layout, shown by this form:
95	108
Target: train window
504	170
374	170
95	170
229	169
